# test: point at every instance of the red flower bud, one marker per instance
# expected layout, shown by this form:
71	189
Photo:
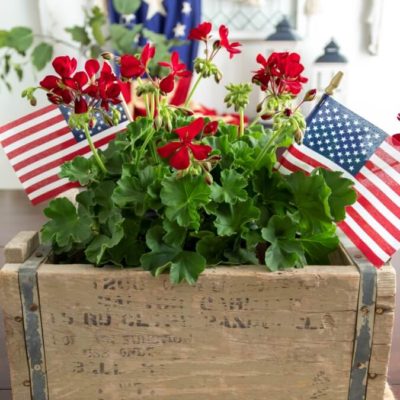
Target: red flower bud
288	112
211	128
310	95
267	116
80	105
398	116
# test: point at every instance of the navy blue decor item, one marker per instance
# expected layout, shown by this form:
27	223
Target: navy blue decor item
332	54
173	18
284	32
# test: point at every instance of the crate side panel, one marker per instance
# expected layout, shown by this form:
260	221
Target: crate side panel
10	302
383	329
237	334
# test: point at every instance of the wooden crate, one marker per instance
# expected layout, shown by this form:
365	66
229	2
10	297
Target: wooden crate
240	333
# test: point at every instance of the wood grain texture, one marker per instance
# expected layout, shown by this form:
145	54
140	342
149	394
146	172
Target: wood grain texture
14	330
21	246
4	371
383	328
240	331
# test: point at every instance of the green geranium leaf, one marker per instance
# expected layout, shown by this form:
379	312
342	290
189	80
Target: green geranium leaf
285	251
232	219
342	194
42	55
103	195
175	234
112	234
79	34
80	169
126	6
212	248
318	246
124	39
187	265
232	189
184	198
96	21
65	226
20	38
3	38
161	254
311	197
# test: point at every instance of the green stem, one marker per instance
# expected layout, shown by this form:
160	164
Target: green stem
152	105
241	126
94	150
265	149
256	119
192	91
146	103
144	145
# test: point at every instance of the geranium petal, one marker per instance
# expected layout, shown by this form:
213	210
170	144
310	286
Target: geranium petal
50	82
189	132
92	67
200	151
181	159
81	79
168	149
167	84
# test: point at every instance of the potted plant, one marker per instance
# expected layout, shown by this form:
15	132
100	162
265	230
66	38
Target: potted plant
180	196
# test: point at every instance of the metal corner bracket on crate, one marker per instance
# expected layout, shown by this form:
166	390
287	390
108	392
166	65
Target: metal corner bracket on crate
35	344
32	322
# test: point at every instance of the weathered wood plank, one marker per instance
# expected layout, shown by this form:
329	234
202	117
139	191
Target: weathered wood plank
239	331
383	328
18	249
4	370
389	393
12	313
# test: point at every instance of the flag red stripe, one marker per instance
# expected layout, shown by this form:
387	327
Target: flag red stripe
378	193
61	160
305	158
360	244
42	183
38	142
375	213
395	164
380	173
27	118
33	129
287	164
54	192
370	231
48	152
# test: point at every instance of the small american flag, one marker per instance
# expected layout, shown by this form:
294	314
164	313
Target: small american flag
39	143
338	139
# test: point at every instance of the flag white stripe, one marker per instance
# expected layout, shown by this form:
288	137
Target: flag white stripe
65	152
48	188
380	184
41	148
390	150
366	239
24	141
385	167
29	124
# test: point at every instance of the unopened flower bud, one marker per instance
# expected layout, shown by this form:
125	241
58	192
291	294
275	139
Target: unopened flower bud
266	116
288	112
107	119
207	166
216	45
310	95
259	107
208	179
298	136
33	101
398	116
107	55
157	122
215	158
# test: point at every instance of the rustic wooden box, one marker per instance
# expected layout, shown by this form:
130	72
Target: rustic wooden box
239	334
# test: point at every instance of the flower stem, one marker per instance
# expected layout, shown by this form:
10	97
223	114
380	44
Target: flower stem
241	123
146	103
152	105
94	150
192	91
265	149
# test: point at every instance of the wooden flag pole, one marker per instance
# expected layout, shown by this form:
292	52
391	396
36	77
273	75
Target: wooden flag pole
334	84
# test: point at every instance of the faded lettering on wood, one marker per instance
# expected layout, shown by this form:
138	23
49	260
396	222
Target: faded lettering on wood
239	333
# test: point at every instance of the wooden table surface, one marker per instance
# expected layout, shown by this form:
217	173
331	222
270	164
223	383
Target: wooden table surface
16	214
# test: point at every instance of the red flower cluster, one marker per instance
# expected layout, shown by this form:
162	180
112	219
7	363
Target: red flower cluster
74	88
202	33
179	152
281	73
177	69
133	67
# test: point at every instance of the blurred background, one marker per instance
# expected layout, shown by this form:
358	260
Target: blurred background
359	37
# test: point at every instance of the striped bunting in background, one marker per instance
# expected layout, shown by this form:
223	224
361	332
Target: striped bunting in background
338	139
39	143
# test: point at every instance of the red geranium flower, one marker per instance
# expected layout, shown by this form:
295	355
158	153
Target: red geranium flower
281	73
132	67
224	42
211	128
177	69
201	32
179	152
65	66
